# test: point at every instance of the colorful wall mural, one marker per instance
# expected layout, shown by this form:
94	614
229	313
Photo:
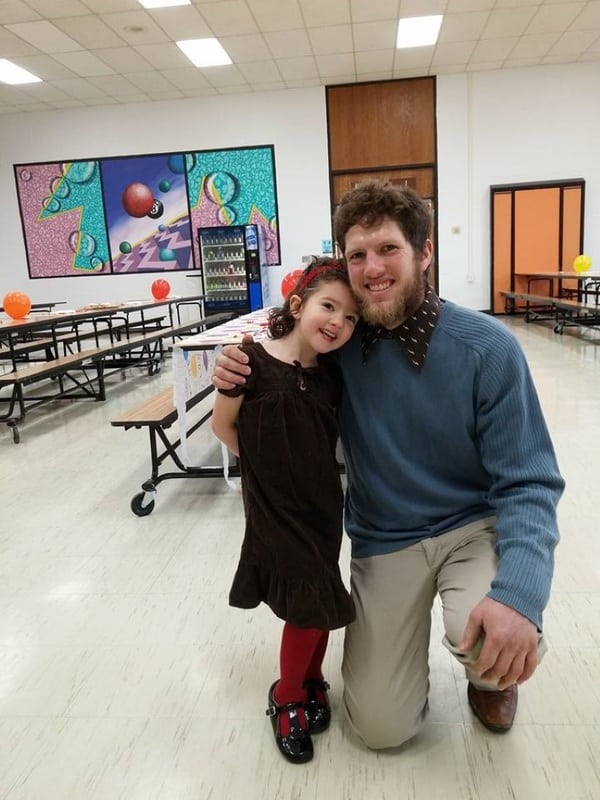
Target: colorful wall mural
133	214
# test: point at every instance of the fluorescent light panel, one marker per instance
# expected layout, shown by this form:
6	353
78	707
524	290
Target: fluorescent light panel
164	3
11	73
418	31
204	52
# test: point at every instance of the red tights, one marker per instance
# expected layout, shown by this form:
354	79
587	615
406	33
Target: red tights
301	658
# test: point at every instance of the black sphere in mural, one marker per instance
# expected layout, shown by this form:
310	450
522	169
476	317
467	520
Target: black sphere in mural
157	209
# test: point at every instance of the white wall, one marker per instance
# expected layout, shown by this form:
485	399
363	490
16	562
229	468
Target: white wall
528	124
293	121
519	125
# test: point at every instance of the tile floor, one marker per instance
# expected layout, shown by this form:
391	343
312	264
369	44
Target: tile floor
125	675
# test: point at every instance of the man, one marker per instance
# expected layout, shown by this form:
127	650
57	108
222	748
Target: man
452	481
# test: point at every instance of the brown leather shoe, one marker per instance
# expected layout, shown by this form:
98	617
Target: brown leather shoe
495	710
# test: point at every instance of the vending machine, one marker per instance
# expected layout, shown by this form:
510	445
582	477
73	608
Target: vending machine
231	268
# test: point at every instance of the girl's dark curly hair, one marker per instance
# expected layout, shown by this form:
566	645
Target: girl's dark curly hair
321	268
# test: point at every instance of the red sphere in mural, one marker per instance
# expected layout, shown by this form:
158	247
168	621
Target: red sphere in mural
138	200
16	304
289	282
160	289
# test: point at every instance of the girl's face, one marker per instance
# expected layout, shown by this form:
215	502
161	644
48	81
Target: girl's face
327	316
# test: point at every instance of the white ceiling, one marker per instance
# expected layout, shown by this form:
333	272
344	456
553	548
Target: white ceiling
102	52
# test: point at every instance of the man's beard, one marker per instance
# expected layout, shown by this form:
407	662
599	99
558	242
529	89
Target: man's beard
394	312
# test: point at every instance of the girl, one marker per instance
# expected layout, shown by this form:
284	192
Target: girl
282	425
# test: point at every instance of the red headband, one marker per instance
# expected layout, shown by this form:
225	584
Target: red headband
312	273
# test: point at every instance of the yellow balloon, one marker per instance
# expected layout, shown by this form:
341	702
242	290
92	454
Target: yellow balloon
582	263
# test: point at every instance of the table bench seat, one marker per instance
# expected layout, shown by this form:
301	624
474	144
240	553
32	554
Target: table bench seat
563	311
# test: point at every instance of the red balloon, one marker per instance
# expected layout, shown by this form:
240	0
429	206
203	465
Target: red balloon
289	282
160	289
16	304
138	200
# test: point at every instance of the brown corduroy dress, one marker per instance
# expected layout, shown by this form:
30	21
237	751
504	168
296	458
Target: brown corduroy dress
292	493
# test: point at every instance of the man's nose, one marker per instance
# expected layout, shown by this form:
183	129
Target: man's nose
373	263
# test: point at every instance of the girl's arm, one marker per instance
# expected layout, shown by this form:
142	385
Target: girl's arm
224	420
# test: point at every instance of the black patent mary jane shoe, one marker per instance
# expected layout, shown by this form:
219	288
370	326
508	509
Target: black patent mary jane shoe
316	707
297	746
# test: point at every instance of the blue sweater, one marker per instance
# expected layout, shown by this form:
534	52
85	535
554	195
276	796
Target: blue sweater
462	440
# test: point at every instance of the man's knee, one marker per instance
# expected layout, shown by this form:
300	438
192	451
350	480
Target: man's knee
384	725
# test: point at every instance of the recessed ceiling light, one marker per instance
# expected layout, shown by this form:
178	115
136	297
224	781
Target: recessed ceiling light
10	73
204	52
418	31
164	3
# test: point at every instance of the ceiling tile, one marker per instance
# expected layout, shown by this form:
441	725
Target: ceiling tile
11	46
59	8
151	81
380	61
453	53
115	85
463	27
228	75
461	6
317	12
373	10
79	88
374	35
276	15
335	64
555	18
413	57
229	18
534	46
289	44
418	8
573	43
45	67
15	11
589	17
135	27
45	36
90	32
331	39
123	59
84	64
507	22
260	71
241	49
188	78
164	56
296	69
181	22
493	49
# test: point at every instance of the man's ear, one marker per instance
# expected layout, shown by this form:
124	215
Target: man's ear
295	304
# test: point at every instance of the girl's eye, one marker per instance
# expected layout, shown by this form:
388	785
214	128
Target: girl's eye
328	306
352	319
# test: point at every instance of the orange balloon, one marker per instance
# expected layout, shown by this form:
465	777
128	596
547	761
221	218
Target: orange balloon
16	304
289	282
160	289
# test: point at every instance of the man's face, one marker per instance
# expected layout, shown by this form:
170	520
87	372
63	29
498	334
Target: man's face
386	273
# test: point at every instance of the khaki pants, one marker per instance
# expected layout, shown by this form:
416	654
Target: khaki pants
385	666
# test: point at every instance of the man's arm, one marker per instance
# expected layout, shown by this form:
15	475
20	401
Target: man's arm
231	366
525	487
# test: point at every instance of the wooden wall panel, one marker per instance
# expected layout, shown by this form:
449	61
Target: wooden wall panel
382	124
421	180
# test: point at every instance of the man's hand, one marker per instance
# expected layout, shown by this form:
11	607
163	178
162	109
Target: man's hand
510	640
231	366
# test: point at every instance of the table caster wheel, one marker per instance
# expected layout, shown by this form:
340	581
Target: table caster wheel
141	505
